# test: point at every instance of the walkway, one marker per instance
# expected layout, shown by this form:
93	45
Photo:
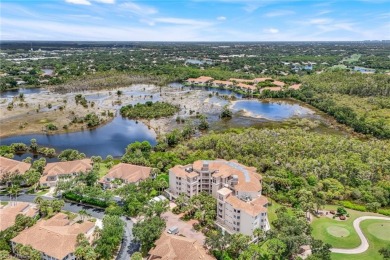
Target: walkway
364	245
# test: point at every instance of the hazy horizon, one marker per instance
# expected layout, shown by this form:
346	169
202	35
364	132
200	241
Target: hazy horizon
195	20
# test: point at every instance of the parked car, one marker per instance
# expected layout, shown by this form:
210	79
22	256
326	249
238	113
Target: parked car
173	230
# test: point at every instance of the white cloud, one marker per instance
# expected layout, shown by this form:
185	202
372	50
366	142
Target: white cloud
88	2
181	21
279	13
319	21
221	18
78	2
105	1
271	30
139	9
14	29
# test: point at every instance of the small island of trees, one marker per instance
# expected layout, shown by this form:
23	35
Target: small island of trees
149	110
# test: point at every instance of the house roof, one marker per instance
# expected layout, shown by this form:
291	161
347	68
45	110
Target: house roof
55	237
295	86
173	247
201	79
180	171
9	212
128	172
12	166
63	168
253	207
222	82
279	83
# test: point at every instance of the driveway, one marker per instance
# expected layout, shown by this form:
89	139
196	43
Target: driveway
364	245
185	227
128	247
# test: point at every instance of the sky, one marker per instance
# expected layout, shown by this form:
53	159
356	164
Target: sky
195	20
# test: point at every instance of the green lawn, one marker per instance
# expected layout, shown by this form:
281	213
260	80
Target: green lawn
3	203
103	170
41	192
377	233
341	234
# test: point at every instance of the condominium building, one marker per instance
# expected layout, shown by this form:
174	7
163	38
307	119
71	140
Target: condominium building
237	188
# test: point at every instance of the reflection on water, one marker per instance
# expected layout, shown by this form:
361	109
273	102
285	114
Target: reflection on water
270	110
110	139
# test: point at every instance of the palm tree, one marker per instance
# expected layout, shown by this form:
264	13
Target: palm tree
82	214
13	190
258	233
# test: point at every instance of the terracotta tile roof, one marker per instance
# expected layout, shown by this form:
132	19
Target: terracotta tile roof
9	212
12	166
295	86
248	179
279	83
201	79
225	191
180	171
253	208
55	237
173	247
65	168
127	172
222	82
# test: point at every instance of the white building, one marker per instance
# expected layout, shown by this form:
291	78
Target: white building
237	188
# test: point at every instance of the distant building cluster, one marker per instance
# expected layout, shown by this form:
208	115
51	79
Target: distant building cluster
248	85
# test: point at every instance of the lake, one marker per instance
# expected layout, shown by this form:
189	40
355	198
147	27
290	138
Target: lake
110	139
270	110
26	91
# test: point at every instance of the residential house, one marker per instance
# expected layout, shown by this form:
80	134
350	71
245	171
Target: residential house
9	212
295	86
173	247
9	166
54	238
246	87
124	173
200	80
257	80
237	188
54	171
222	83
241	80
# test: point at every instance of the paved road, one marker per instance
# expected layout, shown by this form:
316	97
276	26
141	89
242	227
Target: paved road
364	245
128	247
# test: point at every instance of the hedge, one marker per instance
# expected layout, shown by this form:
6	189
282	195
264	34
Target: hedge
358	207
91	201
351	205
